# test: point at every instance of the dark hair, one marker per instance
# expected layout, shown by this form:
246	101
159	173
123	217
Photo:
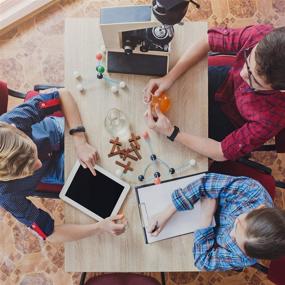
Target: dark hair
266	233
270	58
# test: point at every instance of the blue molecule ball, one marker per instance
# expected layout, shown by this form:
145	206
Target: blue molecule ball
141	178
156	174
153	157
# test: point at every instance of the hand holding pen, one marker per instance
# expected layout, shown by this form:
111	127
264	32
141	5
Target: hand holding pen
158	222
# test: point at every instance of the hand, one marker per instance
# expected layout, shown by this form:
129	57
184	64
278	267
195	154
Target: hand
159	85
115	225
208	208
87	156
161	125
159	221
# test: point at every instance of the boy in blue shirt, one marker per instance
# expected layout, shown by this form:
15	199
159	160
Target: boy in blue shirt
247	226
31	151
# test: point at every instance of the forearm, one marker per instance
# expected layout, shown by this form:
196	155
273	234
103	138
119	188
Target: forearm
192	55
204	146
73	232
71	114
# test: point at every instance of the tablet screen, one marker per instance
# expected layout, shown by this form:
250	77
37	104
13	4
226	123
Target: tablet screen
99	193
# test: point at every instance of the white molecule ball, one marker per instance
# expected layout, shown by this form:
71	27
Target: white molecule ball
119	172
80	88
122	84
114	89
103	48
76	75
192	162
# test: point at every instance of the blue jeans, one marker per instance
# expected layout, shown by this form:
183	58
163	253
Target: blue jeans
55	173
219	125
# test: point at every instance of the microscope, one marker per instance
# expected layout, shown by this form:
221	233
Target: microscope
138	38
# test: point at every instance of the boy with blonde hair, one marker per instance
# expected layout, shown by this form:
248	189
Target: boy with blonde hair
31	151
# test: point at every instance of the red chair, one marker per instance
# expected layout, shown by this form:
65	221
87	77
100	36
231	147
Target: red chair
263	175
43	189
121	279
217	59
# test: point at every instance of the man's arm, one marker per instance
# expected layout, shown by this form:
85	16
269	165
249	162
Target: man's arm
205	146
191	56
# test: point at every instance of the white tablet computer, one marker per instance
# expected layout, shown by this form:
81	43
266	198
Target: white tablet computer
97	196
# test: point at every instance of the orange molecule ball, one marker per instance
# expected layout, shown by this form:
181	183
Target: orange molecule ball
145	135
157	181
163	102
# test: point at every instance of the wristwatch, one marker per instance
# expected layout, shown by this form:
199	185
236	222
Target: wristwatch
174	134
79	129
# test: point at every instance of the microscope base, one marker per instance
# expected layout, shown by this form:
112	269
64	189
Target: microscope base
140	64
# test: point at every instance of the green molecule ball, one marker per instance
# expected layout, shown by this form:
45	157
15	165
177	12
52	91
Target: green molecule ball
100	69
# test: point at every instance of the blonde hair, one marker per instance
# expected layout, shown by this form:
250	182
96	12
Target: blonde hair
17	153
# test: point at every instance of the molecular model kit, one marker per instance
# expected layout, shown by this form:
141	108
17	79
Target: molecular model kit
114	84
133	153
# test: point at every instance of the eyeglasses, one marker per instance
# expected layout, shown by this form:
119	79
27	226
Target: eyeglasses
251	77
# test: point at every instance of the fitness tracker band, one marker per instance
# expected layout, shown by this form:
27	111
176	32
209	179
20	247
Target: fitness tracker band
79	129
174	134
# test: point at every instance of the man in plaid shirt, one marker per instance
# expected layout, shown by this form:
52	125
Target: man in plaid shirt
247	226
246	101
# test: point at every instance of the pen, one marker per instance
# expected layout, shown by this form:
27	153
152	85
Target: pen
155	227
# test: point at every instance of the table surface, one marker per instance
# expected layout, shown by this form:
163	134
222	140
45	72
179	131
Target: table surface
189	111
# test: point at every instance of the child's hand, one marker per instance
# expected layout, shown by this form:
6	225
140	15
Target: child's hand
159	221
159	85
161	125
87	156
115	225
208	208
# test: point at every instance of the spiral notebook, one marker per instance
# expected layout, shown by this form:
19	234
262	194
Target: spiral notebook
152	199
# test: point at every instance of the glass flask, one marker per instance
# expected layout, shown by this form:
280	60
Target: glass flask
117	125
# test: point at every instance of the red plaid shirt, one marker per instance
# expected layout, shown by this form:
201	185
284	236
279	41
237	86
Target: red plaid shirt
257	117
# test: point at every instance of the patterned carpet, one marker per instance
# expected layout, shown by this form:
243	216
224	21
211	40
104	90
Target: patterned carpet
33	53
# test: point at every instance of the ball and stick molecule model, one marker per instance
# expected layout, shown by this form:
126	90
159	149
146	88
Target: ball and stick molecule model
115	84
134	154
154	163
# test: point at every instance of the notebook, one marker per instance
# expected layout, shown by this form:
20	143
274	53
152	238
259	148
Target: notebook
153	199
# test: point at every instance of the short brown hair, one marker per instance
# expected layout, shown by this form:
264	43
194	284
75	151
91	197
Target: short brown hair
270	58
17	153
265	231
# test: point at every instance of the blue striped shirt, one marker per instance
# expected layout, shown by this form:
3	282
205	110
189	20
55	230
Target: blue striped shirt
214	249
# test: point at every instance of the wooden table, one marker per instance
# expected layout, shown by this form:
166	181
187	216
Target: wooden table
128	252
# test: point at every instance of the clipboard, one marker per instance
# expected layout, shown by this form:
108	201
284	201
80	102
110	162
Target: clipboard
180	223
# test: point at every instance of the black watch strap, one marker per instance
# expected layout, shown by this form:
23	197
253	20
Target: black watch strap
79	129
174	134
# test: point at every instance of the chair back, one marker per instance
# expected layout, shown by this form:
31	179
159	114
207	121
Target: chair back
221	60
280	142
276	271
122	279
235	168
3	97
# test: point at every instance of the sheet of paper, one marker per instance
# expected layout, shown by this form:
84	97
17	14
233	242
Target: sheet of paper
155	198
